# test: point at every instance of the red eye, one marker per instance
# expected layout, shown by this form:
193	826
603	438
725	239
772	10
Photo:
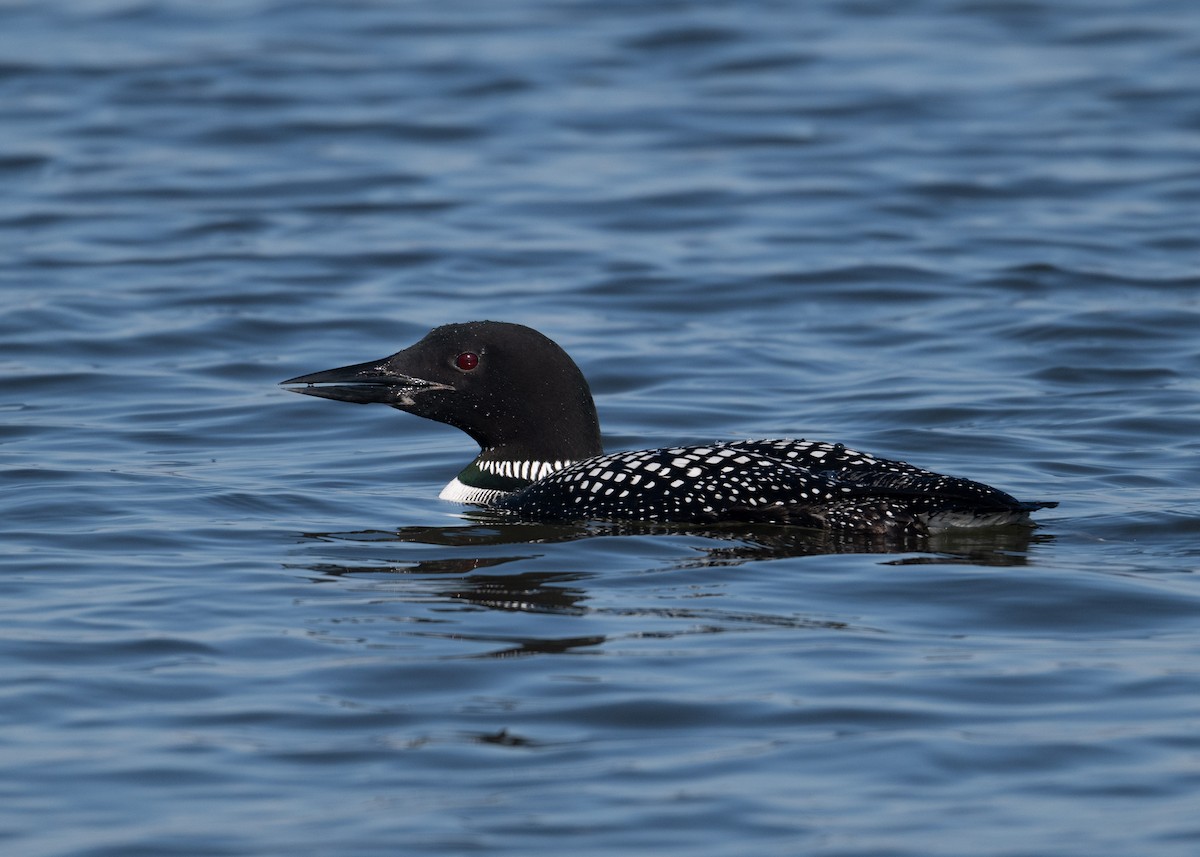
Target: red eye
467	361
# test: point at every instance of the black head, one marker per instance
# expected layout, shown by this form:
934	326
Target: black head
509	387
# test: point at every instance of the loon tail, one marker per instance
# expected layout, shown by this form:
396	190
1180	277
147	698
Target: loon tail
1034	505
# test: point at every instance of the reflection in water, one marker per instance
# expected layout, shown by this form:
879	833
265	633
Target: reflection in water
503	738
735	544
486	544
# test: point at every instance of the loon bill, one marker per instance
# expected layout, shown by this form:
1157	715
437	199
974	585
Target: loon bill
527	405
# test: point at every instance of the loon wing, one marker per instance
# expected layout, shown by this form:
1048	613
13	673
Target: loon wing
879	492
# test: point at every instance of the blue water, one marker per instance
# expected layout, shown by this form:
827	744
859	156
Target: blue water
238	621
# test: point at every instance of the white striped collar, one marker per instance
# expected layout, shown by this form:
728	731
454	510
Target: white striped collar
483	482
531	471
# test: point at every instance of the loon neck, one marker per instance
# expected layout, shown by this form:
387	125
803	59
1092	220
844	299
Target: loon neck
491	476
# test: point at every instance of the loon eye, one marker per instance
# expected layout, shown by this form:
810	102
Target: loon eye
467	361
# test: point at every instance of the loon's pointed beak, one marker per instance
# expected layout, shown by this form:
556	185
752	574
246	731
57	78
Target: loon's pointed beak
364	384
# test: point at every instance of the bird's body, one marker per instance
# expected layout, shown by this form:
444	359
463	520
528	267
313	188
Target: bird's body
526	403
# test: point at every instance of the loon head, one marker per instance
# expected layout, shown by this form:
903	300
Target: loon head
513	390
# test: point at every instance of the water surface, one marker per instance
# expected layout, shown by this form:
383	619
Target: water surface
238	621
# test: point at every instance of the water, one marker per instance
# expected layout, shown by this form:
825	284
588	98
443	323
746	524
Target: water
237	621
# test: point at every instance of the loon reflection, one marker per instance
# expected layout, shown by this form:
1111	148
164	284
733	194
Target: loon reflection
490	565
470	545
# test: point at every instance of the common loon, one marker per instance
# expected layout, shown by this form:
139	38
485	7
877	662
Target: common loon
528	406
